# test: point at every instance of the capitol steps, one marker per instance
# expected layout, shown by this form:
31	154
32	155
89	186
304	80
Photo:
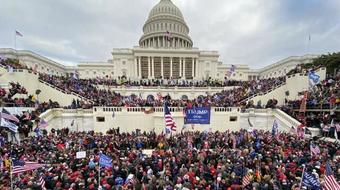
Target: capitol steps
32	83
289	90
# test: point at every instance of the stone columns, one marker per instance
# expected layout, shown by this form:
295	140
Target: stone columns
180	67
184	67
170	67
193	68
136	68
149	67
153	67
140	67
158	44
162	68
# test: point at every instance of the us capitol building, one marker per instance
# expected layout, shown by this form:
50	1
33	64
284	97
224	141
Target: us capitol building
165	51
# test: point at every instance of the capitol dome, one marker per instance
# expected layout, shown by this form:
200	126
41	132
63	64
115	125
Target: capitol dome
165	28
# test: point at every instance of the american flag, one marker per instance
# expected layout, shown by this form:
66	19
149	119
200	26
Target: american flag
231	70
159	96
315	149
169	121
17	33
246	179
20	166
41	183
168	36
6	115
330	181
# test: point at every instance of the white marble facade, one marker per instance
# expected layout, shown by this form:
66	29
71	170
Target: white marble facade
165	51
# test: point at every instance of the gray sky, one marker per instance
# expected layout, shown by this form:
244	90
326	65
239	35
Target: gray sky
253	32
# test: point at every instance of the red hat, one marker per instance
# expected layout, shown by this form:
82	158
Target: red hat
91	186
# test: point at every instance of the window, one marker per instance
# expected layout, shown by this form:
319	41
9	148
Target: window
233	118
87	72
124	62
100	119
124	72
94	72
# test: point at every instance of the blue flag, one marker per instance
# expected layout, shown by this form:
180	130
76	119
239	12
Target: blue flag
314	78
258	144
309	180
37	132
105	161
9	125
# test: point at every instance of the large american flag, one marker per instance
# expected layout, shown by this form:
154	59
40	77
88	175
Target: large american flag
20	166
41	183
7	115
314	149
246	179
330	181
169	121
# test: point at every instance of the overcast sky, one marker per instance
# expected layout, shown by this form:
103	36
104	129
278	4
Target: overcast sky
253	32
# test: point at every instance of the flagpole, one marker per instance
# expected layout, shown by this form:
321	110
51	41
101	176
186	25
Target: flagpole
308	46
11	170
303	172
15	41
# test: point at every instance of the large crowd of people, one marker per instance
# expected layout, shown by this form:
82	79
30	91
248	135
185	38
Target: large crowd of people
88	89
323	97
165	82
8	99
189	160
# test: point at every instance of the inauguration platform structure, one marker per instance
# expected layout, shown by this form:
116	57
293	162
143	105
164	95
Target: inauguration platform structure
100	119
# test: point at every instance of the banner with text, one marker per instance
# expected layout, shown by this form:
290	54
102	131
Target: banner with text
200	115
